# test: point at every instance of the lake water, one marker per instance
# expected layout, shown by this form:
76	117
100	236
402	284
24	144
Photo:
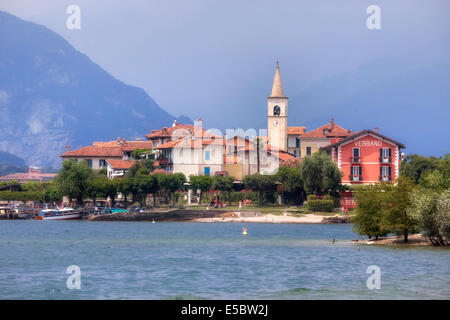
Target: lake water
141	260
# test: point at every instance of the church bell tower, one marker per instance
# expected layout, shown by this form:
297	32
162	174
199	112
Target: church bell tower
277	113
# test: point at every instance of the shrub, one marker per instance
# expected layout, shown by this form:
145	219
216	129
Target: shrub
240	196
320	205
21	195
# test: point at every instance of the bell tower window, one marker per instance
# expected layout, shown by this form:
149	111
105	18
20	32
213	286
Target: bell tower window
276	110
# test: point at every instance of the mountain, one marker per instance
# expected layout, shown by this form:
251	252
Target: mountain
10	163
407	96
51	96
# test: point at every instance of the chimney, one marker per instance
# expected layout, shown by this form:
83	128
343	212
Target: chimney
123	141
174	123
331	123
67	148
376	129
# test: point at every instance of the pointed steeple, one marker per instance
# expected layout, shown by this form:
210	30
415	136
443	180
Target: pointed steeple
277	88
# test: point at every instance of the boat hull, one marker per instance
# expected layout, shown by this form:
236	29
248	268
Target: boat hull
71	216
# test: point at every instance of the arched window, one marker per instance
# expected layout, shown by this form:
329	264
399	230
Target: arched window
276	111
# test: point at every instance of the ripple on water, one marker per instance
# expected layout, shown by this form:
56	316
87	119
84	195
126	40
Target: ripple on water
209	261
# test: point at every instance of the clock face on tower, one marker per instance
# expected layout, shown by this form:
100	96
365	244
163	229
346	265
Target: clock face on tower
276	123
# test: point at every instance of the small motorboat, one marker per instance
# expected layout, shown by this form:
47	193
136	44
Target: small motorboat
58	214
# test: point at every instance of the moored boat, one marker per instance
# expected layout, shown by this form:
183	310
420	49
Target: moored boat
58	214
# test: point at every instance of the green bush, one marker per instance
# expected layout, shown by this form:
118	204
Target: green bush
320	205
240	196
311	197
21	195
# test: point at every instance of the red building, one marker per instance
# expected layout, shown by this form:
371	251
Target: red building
366	157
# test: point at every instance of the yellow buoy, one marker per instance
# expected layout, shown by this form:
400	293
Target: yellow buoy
244	231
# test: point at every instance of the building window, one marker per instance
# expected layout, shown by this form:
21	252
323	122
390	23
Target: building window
207	171
308	151
295	153
102	163
297	142
356	173
355	158
89	162
207	155
276	111
385	155
385	173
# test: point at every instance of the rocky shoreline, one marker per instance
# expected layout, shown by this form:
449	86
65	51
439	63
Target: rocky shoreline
413	240
171	215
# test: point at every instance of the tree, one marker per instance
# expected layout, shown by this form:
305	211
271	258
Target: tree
171	183
145	166
96	188
260	183
414	166
111	189
73	179
432	211
320	174
438	179
125	187
225	183
140	153
396	216
144	185
202	183
368	213
291	181
52	193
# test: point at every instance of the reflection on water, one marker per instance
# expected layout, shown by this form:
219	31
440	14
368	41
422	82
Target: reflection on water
138	260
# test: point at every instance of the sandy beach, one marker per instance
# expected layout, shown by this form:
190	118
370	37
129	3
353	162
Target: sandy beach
267	218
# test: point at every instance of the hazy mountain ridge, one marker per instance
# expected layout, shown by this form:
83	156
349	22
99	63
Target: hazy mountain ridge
52	95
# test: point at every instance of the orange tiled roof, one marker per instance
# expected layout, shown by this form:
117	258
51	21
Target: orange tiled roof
189	143
361	133
28	176
296	130
125	145
95	151
328	131
177	131
120	164
286	157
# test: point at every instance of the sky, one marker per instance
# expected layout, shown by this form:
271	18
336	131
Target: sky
216	59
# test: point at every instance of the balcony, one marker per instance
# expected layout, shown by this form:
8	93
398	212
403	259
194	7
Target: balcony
385	178
387	160
355	177
355	159
164	161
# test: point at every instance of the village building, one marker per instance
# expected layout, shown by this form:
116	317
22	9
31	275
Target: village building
312	141
188	149
100	152
366	157
118	168
277	114
363	157
33	174
293	140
